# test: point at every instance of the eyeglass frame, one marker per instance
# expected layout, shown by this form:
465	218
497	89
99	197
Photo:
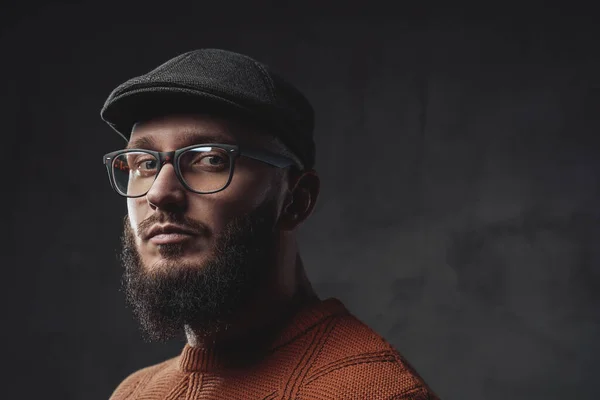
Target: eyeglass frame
164	157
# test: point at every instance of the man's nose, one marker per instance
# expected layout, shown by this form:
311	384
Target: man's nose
166	190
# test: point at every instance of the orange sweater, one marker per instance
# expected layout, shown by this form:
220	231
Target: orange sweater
323	353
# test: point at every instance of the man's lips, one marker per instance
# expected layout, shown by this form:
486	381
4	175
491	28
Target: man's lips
166	238
164	234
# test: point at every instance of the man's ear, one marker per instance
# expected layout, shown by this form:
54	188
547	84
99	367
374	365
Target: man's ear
301	199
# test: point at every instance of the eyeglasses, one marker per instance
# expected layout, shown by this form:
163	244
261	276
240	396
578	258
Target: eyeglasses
201	168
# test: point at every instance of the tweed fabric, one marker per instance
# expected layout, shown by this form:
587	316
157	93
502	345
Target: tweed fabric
221	82
324	353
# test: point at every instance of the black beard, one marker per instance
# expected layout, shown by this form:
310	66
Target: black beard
205	297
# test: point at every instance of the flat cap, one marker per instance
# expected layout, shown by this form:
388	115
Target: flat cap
216	81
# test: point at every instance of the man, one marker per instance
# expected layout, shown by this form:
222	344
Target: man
218	174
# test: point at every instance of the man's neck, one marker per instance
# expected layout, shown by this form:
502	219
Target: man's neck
255	331
268	310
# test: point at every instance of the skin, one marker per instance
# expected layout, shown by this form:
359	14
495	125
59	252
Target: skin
253	182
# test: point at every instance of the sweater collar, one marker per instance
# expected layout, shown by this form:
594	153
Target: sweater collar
199	359
210	359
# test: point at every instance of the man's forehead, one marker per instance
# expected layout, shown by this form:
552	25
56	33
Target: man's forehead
184	130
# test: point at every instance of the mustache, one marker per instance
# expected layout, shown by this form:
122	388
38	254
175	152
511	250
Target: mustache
195	226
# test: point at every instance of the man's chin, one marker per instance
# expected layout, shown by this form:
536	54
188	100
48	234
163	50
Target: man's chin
203	282
173	251
167	259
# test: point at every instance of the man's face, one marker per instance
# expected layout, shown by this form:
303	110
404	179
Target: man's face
203	277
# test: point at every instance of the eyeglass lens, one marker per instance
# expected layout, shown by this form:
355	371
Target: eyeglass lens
203	169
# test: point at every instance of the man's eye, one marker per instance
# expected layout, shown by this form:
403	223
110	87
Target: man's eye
212	161
146	164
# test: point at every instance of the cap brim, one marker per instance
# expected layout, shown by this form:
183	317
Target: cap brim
124	110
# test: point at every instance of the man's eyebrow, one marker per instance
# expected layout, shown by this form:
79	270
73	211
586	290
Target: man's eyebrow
188	138
195	137
143	142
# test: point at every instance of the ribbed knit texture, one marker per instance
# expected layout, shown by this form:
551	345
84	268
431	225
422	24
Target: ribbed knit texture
323	353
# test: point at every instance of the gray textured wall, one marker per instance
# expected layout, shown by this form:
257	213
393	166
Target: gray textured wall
459	213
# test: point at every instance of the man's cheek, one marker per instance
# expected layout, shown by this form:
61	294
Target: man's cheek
135	209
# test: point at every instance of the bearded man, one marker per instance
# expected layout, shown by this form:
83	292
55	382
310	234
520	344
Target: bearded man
219	175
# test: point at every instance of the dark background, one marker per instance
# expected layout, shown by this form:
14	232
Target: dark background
458	152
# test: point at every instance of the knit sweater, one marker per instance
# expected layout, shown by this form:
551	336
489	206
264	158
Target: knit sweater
323	353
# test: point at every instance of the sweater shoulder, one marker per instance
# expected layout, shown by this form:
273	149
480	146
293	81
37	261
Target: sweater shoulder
356	361
138	379
350	338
